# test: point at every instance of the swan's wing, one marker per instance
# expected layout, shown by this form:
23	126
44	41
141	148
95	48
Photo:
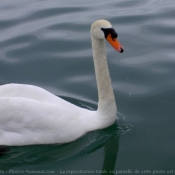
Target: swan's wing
32	115
26	121
30	92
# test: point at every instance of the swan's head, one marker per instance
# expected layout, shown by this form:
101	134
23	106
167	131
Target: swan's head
103	29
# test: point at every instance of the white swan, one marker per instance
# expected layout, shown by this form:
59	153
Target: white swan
32	115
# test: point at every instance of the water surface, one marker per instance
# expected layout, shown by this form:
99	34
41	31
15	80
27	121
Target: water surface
47	44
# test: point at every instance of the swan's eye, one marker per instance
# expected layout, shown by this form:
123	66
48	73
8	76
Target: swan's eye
111	31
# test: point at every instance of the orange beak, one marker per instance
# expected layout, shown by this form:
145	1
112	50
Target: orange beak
114	43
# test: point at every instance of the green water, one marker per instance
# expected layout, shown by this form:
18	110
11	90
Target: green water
47	44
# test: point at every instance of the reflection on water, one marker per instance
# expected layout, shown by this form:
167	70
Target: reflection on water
43	155
110	155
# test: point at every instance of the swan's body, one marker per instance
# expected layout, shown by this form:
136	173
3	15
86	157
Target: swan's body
32	115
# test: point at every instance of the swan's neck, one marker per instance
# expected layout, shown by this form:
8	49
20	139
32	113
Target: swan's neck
106	104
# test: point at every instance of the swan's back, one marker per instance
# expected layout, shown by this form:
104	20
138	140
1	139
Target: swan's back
30	92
